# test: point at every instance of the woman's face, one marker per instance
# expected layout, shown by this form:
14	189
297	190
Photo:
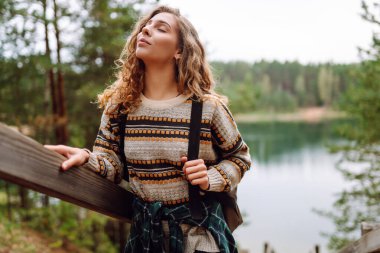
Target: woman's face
158	40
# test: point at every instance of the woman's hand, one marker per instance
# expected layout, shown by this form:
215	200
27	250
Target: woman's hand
196	172
75	156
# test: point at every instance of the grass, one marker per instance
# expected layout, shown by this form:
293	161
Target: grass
18	239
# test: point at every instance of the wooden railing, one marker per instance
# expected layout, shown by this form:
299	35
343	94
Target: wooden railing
26	162
368	243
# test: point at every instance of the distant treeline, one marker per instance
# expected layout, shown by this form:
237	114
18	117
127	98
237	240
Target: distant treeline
260	86
50	72
283	86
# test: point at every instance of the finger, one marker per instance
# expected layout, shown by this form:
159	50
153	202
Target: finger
206	185
196	175
183	159
61	149
51	147
72	161
54	147
194	169
194	162
199	181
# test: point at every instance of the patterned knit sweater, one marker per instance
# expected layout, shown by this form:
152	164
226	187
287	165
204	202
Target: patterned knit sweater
156	137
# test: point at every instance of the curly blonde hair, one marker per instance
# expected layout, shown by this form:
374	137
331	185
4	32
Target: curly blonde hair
193	72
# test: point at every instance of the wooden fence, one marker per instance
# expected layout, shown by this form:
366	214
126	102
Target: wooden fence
26	162
368	243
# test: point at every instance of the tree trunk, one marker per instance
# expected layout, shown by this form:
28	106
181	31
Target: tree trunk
62	122
50	74
23	195
49	84
53	93
122	236
9	204
45	200
64	136
95	233
24	202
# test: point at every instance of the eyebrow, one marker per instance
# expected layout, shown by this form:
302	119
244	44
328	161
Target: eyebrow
160	21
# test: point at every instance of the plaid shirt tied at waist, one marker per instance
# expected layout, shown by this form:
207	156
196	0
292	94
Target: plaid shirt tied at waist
147	233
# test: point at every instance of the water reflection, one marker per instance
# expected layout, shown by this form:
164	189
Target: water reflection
292	173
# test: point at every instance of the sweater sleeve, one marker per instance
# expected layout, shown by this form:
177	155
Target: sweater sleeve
235	159
105	158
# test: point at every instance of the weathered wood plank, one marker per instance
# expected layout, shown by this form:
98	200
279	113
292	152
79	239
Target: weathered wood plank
368	243
25	162
367	227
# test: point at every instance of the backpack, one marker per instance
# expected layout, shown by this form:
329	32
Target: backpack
228	200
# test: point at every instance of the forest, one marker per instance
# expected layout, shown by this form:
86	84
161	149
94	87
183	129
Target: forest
56	56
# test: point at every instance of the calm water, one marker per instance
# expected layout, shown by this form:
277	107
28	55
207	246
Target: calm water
292	173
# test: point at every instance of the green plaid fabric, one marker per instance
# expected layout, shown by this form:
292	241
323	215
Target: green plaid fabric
147	234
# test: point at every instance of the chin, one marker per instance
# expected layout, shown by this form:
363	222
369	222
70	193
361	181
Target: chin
142	55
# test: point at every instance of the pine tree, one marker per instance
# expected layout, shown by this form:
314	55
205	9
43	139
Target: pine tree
360	164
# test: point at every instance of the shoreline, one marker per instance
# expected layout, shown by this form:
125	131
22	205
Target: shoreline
308	115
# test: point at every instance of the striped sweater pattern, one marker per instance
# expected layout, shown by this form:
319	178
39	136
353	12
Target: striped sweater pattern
156	137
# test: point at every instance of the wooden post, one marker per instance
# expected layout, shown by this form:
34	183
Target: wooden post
266	247
25	162
368	243
367	227
9	203
317	248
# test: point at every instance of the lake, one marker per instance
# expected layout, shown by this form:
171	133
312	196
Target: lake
292	173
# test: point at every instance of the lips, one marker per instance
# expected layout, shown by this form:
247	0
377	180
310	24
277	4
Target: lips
142	40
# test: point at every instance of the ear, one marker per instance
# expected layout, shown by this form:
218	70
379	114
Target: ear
177	55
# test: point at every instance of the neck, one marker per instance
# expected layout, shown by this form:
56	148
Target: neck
160	82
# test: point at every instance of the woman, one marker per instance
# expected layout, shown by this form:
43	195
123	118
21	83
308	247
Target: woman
162	69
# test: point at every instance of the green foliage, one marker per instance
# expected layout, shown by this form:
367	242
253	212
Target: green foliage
300	90
242	96
100	31
12	238
94	34
282	87
278	101
20	81
326	83
67	222
360	164
106	28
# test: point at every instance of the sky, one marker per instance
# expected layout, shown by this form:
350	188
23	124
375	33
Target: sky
310	31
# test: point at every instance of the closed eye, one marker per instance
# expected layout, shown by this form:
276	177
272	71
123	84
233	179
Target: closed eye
162	29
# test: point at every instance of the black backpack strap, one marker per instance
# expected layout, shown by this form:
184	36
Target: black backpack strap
122	123
193	153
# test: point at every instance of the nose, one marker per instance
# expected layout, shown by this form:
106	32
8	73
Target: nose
146	30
